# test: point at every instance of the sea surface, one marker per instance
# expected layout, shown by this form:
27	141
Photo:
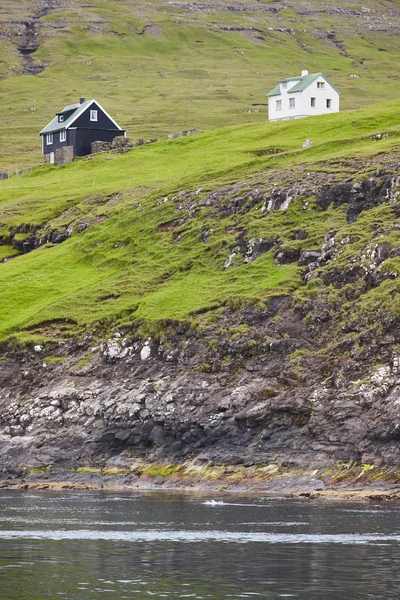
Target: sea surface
95	545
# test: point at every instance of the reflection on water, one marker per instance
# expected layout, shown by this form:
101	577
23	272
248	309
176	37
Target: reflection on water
88	546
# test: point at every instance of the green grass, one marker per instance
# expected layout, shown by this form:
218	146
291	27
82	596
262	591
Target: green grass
7	252
160	68
216	156
142	259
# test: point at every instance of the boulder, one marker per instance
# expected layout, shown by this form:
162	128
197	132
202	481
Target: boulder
121	144
308	256
285	256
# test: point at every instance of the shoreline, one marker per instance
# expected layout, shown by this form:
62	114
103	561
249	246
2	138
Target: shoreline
189	478
334	494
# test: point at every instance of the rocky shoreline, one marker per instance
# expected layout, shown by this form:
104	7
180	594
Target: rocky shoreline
188	478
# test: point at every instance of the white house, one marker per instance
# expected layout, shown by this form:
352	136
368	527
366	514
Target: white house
302	96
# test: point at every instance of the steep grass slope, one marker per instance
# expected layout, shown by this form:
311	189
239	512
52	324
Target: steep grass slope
244	312
170	230
166	66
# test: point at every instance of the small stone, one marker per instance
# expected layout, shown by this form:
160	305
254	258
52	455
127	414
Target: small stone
229	260
145	353
308	257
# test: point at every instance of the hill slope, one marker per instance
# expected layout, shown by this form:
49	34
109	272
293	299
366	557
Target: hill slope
144	226
246	310
166	66
229	296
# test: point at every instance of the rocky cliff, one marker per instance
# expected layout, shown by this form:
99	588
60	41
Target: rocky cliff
304	379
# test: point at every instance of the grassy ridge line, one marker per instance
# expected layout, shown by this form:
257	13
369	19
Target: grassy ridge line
127	268
159	67
218	156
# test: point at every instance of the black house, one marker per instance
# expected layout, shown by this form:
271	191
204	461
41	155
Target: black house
73	130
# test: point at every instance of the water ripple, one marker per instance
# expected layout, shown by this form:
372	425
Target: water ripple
202	536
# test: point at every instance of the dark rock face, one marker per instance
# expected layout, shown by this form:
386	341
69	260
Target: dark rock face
308	257
284	256
37	235
359	196
160	404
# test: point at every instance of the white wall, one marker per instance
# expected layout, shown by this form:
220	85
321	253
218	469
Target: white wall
321	96
286	112
303	106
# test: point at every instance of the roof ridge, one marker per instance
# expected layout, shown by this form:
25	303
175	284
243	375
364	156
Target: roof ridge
303	81
55	125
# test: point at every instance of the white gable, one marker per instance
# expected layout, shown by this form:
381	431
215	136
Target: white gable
303	96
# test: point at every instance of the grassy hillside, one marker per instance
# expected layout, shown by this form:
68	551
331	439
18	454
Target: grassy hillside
151	230
163	66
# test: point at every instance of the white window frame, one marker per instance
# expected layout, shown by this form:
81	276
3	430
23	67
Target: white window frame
49	139
292	102
94	115
320	85
328	103
279	105
63	136
313	103
284	85
61	118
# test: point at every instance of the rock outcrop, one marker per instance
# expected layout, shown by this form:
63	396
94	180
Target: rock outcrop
237	401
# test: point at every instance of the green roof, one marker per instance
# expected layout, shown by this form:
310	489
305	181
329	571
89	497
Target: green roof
55	124
276	91
304	82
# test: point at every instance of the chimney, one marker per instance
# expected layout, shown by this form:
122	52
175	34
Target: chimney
304	73
82	100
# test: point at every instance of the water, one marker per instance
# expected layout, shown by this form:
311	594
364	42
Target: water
86	546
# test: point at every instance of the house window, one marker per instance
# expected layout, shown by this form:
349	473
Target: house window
292	102
284	85
49	139
329	103
279	105
60	118
63	136
320	85
313	102
93	115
